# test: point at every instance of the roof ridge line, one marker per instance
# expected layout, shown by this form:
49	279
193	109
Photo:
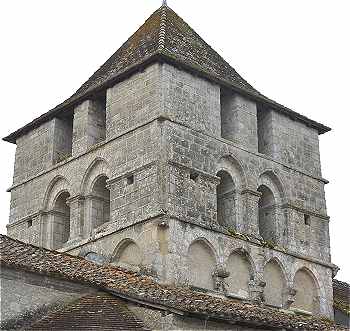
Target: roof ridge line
162	28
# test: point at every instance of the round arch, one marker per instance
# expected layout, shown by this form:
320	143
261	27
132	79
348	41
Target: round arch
307	296
269	179
58	185
241	273
276	282
229	201
201	264
94	187
127	253
99	167
234	168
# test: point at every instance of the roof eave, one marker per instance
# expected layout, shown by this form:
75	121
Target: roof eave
162	57
272	104
139	66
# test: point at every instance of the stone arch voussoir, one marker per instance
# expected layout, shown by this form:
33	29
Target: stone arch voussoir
234	168
272	181
56	187
98	168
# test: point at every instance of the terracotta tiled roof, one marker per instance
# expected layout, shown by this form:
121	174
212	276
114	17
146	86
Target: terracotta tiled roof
93	312
163	37
133	286
341	296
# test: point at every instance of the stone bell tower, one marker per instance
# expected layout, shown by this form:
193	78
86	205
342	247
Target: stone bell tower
166	161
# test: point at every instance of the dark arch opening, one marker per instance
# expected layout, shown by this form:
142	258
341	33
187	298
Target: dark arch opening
267	213
225	193
61	222
100	202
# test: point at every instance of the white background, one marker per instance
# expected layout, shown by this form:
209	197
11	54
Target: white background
294	51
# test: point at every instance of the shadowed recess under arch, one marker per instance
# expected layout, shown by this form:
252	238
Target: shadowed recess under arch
201	264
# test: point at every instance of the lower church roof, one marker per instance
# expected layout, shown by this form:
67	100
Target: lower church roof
341	296
92	312
144	290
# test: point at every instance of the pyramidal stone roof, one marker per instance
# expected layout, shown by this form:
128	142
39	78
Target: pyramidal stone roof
164	37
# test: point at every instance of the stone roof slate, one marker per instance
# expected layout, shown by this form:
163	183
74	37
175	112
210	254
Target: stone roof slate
164	37
341	296
135	287
92	312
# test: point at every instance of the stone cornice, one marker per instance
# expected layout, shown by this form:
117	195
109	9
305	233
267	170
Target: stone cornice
213	178
305	211
161	118
128	173
251	192
217	230
284	251
24	219
76	198
260	155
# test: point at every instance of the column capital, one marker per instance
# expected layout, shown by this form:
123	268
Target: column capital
251	192
76	198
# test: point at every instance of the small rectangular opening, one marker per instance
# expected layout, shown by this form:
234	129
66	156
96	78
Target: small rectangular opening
30	223
307	220
194	176
130	180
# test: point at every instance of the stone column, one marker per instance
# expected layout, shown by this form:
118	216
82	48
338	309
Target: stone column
250	200
95	213
49	233
76	205
256	288
46	222
289	297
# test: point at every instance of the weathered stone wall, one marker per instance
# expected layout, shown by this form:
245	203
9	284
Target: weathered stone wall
141	247
296	193
192	101
341	318
239	120
41	294
182	253
257	257
34	152
133	154
134	101
173	166
290	142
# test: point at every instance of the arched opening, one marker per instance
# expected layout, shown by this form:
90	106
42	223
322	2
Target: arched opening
267	213
100	202
273	277
240	274
225	193
306	297
128	255
202	264
95	258
61	220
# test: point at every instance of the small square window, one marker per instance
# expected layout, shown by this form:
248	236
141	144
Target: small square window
130	180
194	176
30	223
307	220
